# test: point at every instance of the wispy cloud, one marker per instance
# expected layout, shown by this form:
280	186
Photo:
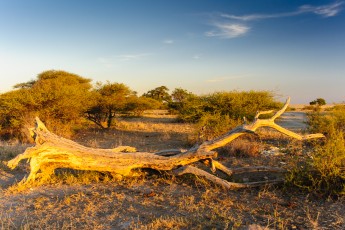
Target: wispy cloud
107	62
221	79
325	10
131	57
168	41
232	26
196	57
227	30
112	60
329	10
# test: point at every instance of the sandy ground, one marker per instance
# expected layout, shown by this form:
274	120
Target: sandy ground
295	121
159	201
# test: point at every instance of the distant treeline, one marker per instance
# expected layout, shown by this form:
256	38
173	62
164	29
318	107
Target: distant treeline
62	100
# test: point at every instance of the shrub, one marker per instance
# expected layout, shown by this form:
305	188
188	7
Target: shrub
234	104
217	113
191	110
318	101
137	105
310	107
160	94
210	126
58	97
323	122
324	172
329	160
180	97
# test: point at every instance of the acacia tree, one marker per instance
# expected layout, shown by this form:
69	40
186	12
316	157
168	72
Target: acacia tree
16	109
108	100
62	95
180	95
137	105
58	97
179	99
318	101
160	94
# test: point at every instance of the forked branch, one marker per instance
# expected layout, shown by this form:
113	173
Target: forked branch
251	128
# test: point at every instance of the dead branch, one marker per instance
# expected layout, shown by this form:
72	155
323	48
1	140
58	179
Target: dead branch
251	128
52	152
188	169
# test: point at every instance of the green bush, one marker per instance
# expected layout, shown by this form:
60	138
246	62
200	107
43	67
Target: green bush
323	122
217	113
324	171
108	100
329	160
160	94
190	110
318	101
234	104
181	99
210	126
59	98
137	105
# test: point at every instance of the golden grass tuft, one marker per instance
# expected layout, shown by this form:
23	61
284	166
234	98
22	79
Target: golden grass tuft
141	124
243	148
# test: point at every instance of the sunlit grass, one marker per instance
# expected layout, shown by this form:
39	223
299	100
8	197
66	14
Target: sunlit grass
73	199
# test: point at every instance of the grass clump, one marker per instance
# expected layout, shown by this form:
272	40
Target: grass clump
243	148
324	172
323	122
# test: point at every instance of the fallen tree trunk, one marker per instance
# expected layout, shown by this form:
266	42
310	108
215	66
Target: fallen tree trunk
52	152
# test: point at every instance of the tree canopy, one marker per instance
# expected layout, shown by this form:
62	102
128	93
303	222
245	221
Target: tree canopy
318	101
235	104
58	97
108	100
160	94
61	99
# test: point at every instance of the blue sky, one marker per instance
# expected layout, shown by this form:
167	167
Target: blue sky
294	48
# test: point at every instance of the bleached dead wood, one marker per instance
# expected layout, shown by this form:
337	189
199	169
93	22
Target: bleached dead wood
251	128
52	152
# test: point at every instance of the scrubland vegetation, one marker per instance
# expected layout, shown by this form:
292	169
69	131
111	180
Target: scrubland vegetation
106	115
324	171
64	100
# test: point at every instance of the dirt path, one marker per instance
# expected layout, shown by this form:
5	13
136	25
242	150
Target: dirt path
295	121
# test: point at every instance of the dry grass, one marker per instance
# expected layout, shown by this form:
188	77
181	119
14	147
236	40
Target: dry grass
162	202
91	200
243	148
149	133
152	124
303	107
8	150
